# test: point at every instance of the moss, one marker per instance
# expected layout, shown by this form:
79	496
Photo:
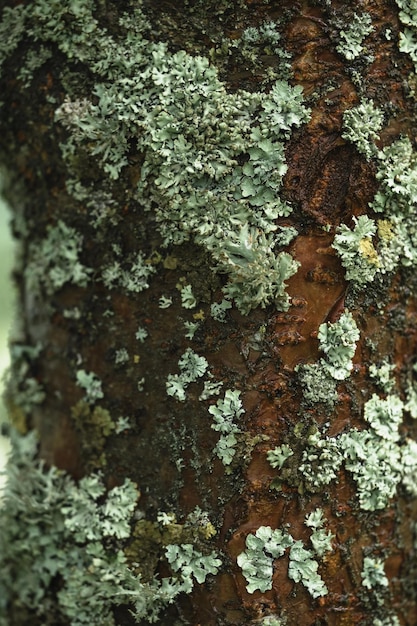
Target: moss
94	425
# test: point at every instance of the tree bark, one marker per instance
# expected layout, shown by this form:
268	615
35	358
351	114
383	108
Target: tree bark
264	411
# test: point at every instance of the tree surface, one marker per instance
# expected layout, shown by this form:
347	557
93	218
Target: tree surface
213	388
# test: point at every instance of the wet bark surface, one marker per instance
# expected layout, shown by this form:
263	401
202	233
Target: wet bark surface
168	451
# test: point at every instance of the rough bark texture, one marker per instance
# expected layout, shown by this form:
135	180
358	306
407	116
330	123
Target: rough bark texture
167	445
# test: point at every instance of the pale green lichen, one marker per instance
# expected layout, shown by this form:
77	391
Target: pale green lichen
256	562
266	545
338	342
164	302
388	620
409	466
191	563
320	461
122	424
373	573
279	455
211	388
381	373
378	459
271	620
131	274
321	539
224	412
192	366
213	159
188	300
12	29
375	465
53	528
191	328
361	126
218	310
317	384
356	250
24	391
411	394
352	37
121	356
55	260
384	415
256	274
141	334
254	45
90	382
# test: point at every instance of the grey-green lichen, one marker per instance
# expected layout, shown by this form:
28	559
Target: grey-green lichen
361	126
337	340
266	545
373	574
380	246
379	459
55	261
352	37
192	366
54	529
408	36
224	412
24	391
254	45
381	373
213	161
90	382
278	455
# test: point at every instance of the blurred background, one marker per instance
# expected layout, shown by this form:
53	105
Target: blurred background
7	303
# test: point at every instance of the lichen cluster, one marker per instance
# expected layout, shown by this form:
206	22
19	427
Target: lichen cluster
267	545
74	533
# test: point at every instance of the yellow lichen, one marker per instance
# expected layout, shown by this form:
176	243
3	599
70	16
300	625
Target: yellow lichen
367	250
385	230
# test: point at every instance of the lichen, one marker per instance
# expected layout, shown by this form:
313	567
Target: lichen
52	528
55	260
213	159
266	545
338	342
361	126
279	455
352	37
92	385
224	412
192	366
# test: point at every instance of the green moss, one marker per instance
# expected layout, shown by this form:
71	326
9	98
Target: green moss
94	426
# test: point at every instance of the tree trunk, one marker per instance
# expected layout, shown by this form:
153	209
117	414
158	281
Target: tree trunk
215	208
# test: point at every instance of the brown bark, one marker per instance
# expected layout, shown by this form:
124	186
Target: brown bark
328	182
